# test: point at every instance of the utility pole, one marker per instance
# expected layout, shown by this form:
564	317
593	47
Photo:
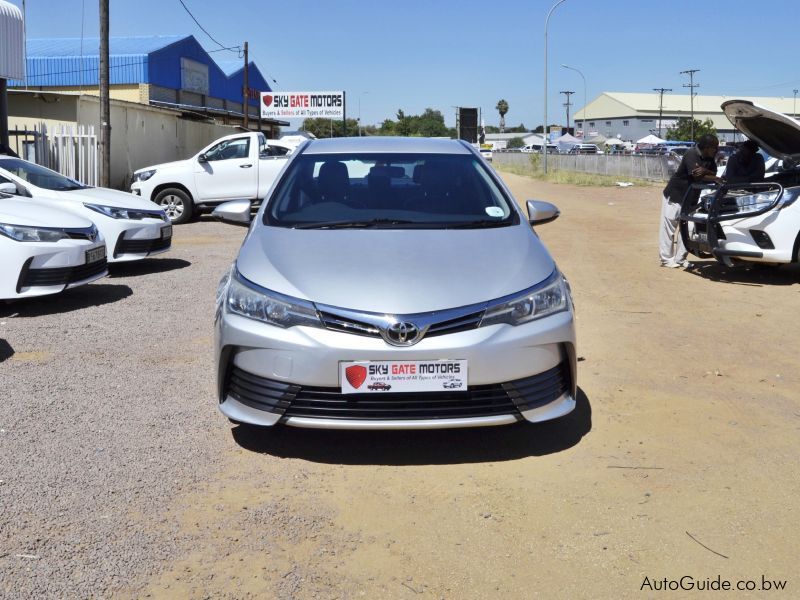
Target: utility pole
567	104
691	85
660	104
105	104
794	105
246	92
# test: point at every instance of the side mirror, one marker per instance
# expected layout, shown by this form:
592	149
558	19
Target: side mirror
202	158
8	188
235	212
541	212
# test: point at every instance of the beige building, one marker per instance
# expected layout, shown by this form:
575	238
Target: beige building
631	116
141	135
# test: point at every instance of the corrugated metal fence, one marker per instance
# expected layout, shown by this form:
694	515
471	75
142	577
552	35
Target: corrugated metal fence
70	150
657	168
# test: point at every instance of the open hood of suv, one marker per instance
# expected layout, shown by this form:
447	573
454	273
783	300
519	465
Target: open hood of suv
776	133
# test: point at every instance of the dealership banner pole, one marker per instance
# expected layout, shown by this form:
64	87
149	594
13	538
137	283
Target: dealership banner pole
344	114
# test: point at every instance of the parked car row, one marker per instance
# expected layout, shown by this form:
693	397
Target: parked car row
57	233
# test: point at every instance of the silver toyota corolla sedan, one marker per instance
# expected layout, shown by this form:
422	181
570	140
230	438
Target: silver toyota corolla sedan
393	283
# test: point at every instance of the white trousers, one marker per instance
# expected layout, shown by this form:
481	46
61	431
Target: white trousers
670	249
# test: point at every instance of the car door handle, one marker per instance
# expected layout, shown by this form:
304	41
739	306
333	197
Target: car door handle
245	166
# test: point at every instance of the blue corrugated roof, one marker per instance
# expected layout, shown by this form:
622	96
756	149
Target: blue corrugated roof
63	62
61	47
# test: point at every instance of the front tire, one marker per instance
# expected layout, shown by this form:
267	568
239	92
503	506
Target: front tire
177	204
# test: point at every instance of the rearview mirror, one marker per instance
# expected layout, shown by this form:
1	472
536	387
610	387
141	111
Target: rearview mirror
235	212
202	158
541	212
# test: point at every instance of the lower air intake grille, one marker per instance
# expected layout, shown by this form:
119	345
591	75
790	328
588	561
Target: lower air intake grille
330	403
63	275
141	246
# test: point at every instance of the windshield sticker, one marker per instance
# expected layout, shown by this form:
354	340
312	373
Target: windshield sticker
494	211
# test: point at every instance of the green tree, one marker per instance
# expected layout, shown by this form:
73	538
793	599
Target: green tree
325	128
516	142
502	108
683	129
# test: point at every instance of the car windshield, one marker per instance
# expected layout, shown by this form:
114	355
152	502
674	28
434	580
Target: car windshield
39	176
396	191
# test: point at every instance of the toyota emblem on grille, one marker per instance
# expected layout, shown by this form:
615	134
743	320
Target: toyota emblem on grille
402	334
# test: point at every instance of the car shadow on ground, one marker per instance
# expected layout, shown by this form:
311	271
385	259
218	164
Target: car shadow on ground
754	275
95	294
421	447
6	351
146	266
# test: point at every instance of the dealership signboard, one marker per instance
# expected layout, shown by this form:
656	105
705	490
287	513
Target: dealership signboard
302	105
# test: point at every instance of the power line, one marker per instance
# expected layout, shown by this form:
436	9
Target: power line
222	46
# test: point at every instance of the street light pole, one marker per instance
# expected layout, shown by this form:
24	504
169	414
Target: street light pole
794	106
585	100
544	125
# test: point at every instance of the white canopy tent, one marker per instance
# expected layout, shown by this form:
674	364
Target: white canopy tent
565	142
650	139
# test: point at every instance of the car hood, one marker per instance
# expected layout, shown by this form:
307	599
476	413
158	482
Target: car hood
395	271
177	164
776	133
26	212
109	197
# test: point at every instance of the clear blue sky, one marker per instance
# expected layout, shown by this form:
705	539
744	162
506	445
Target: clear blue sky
416	54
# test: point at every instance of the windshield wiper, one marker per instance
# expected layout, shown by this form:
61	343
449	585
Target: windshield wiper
354	224
479	224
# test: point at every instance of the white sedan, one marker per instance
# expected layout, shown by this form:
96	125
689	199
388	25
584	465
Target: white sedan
45	250
133	228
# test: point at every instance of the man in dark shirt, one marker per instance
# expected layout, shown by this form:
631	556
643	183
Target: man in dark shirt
746	166
697	166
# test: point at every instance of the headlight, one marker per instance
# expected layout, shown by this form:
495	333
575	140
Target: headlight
756	202
32	234
109	211
541	301
143	175
249	300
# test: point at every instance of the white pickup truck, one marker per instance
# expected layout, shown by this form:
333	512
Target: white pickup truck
241	166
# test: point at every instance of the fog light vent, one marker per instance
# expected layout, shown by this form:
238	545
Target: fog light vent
762	239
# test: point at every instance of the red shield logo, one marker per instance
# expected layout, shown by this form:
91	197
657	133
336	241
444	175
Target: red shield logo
356	375
268	100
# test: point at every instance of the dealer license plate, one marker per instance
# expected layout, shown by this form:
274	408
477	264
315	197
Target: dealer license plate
95	254
166	232
380	377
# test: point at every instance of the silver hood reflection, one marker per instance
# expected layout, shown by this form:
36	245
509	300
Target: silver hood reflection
395	271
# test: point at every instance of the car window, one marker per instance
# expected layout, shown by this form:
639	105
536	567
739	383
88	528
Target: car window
271	150
229	149
389	190
39	176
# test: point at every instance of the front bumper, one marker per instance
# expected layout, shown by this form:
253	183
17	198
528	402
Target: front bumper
39	269
135	240
268	375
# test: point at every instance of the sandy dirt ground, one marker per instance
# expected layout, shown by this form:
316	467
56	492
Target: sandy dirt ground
680	461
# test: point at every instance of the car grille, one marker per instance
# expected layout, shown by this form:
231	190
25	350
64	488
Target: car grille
347	324
141	246
63	275
329	403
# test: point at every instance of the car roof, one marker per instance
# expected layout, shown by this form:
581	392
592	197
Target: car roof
381	144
